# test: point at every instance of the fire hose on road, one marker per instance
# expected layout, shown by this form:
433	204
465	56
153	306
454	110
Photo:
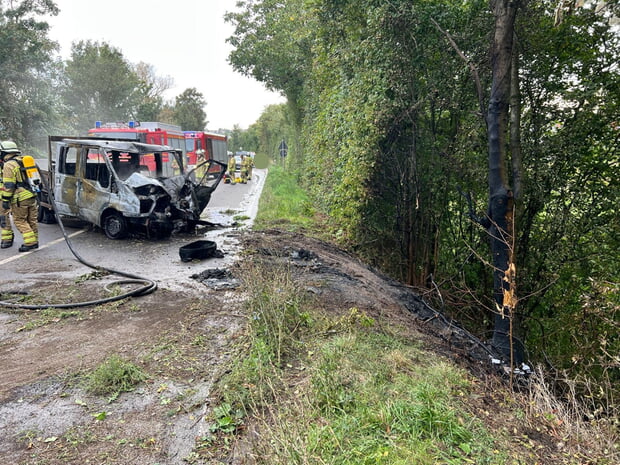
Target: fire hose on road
147	286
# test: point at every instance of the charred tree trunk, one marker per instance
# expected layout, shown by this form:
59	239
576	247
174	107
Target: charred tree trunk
501	205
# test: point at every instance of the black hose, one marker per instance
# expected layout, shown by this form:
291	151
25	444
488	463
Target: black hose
148	286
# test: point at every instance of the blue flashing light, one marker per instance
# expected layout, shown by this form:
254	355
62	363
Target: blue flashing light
98	124
132	124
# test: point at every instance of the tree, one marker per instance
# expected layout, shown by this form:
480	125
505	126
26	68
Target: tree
500	217
393	127
152	88
272	43
189	110
273	125
101	85
28	102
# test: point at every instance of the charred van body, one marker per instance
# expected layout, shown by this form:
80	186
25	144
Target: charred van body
124	187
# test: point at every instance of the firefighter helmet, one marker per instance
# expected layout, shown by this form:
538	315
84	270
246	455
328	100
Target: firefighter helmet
8	146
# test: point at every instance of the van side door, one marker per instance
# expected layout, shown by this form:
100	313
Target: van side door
66	181
93	194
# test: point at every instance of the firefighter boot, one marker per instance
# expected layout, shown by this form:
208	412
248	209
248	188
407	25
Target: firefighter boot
26	248
6	234
7	239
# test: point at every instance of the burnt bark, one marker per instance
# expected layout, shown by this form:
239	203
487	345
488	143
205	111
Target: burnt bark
501	206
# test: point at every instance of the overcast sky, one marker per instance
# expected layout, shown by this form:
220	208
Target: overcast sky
183	39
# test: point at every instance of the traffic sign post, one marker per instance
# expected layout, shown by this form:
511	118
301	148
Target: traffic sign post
283	148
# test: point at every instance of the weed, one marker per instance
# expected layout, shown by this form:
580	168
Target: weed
225	419
90	276
113	376
48	316
217	442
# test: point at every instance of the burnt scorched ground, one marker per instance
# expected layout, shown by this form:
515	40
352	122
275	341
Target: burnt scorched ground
183	341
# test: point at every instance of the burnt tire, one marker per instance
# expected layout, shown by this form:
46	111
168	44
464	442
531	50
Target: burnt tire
197	250
115	226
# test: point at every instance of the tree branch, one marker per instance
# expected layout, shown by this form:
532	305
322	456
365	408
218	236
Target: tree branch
472	68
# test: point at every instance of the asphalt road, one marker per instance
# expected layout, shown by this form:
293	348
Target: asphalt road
158	260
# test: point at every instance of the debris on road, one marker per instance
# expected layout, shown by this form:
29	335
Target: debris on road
217	278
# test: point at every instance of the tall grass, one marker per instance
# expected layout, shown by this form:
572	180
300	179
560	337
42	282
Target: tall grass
283	203
339	391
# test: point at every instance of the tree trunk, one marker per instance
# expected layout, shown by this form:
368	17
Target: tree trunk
501	204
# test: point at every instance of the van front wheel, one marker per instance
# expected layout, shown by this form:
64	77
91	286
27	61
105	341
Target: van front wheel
115	226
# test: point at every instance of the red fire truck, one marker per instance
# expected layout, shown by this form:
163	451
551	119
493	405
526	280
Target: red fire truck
149	132
201	146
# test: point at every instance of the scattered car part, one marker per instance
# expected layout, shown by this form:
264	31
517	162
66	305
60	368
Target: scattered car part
197	250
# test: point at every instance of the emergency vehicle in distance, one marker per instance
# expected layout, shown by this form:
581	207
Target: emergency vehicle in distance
150	132
212	145
201	146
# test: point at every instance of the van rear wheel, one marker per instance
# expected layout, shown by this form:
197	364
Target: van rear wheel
45	215
115	226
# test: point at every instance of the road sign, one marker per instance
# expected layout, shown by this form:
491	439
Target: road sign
283	148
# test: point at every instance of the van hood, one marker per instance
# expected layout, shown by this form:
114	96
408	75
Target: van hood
172	186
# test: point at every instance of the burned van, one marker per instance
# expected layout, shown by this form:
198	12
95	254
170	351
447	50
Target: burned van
124	186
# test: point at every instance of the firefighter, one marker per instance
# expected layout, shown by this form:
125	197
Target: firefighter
244	169
201	169
250	164
249	161
18	196
232	168
6	229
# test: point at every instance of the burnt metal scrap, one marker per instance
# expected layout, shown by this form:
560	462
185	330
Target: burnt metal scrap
217	278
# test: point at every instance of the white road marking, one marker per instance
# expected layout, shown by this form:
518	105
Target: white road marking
49	244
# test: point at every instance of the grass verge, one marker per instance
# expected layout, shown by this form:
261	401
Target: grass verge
340	390
310	388
284	204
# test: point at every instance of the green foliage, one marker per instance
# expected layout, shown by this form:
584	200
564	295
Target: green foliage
29	103
568	234
393	134
283	203
272	43
225	419
100	85
152	88
240	139
113	376
189	110
275	124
